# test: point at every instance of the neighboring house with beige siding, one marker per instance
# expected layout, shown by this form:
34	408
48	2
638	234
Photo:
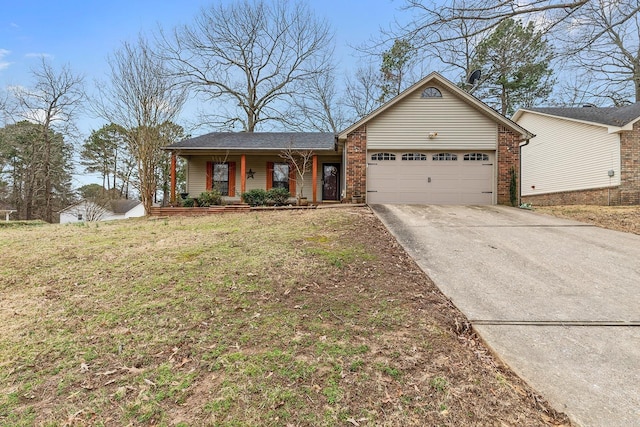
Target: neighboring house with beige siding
432	144
585	155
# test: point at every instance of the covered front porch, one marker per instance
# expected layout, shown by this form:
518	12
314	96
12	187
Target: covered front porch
236	163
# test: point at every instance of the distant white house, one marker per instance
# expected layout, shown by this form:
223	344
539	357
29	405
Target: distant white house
87	210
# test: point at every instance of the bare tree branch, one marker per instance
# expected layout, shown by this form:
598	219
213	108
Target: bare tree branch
252	55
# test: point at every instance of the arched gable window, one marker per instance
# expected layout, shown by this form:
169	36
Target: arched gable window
431	92
444	157
481	157
383	156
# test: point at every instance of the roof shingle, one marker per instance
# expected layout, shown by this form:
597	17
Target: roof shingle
610	116
259	141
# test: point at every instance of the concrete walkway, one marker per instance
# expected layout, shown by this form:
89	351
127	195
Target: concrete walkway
558	300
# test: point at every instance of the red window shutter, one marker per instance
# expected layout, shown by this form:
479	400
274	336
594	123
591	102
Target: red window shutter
209	183
269	175
292	180
232	179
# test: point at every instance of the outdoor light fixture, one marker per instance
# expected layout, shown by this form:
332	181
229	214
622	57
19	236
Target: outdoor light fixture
432	135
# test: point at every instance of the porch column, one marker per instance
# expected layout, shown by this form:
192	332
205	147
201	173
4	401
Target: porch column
314	177
173	177
243	174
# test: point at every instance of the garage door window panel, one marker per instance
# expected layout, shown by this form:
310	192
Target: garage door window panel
383	156
444	157
476	157
414	156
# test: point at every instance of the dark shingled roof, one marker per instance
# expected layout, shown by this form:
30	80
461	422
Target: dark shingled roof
610	116
122	206
259	141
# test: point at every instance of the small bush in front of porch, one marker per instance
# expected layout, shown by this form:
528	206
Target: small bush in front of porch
255	197
187	203
210	198
278	196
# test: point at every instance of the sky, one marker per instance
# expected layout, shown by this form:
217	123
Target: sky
82	33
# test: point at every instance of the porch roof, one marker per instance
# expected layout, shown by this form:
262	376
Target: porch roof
271	141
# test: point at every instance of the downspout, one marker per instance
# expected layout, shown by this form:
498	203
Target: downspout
520	170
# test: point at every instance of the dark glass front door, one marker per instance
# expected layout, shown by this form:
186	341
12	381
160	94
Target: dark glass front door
331	181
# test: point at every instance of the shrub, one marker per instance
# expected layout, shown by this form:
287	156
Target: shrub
210	198
279	196
187	203
255	197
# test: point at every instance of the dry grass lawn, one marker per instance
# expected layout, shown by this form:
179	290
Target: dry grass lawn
620	218
296	318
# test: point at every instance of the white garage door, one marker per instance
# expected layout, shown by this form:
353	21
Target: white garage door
439	178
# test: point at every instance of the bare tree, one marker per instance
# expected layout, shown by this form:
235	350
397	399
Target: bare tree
321	109
301	160
433	21
52	104
141	97
252	56
612	57
363	92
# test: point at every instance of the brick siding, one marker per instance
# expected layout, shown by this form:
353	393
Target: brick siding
597	196
508	158
356	167
630	166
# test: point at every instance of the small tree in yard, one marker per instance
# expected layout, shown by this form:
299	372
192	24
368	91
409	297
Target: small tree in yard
300	160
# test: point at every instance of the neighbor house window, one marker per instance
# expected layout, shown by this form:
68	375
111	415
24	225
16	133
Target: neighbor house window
431	92
221	178
79	217
482	157
383	156
281	173
444	157
414	156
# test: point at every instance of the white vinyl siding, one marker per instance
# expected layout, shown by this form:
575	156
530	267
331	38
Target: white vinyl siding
408	124
567	156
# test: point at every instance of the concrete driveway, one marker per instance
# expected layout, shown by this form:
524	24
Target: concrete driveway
557	300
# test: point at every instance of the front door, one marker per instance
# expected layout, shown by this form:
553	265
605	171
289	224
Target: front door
330	181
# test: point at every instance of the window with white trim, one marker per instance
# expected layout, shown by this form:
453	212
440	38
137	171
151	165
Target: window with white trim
444	157
414	156
476	157
383	156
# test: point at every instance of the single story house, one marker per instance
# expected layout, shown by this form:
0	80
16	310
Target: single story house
585	155
87	210
432	144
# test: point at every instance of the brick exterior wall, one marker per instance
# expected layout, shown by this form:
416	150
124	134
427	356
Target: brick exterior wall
508	158
630	166
598	196
356	167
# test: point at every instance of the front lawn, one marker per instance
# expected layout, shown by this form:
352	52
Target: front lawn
293	318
